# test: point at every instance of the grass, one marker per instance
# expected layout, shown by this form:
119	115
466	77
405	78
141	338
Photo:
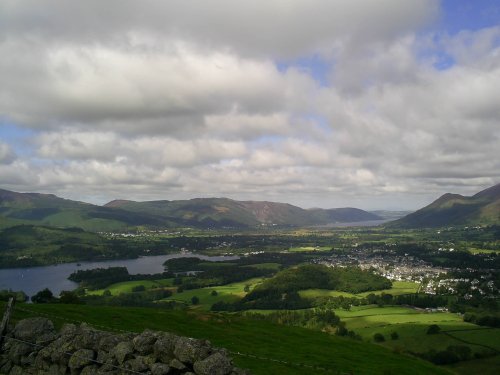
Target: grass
293	345
266	266
126	286
485	366
309	248
226	293
411	326
398	287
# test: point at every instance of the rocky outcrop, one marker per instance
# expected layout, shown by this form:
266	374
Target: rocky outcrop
34	347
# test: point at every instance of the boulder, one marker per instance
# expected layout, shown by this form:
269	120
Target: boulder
81	358
216	364
123	351
34	330
191	350
159	369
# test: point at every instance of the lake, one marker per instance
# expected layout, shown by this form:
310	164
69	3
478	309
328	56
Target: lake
55	277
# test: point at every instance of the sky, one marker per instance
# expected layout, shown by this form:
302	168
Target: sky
383	104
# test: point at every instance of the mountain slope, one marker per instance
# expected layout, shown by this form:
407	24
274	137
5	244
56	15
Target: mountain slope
228	212
455	209
48	209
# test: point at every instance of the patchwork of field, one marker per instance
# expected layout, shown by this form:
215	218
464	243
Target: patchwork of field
411	326
127	286
226	293
398	287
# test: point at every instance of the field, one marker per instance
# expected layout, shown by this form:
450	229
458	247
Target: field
411	326
294	347
226	293
126	286
310	248
398	287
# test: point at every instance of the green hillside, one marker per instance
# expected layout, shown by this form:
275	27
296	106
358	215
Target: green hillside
482	208
119	215
264	348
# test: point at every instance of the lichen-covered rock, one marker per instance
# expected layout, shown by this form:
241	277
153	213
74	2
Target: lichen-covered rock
144	342
191	350
159	369
17	350
176	364
35	330
81	358
216	364
123	351
83	350
164	347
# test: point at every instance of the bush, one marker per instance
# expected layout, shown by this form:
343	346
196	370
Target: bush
394	336
138	288
214	293
69	297
433	329
195	300
43	296
378	337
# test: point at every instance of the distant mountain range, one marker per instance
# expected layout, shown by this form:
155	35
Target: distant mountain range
48	209
455	209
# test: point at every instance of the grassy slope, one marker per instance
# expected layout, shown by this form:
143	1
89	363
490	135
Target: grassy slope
263	339
398	287
411	326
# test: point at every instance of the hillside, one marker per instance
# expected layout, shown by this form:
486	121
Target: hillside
455	209
48	209
227	212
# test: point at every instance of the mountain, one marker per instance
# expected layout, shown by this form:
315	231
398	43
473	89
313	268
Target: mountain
455	209
48	209
227	212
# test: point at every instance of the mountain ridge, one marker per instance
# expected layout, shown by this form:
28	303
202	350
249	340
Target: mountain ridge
482	208
120	214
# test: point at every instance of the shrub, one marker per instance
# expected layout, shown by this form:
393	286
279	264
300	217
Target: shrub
394	336
43	296
195	300
214	293
138	288
433	329
378	337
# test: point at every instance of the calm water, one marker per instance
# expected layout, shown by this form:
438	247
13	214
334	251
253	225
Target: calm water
33	279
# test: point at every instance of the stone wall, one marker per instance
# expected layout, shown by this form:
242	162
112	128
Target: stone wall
35	347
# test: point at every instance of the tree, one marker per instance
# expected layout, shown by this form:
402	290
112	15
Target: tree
246	289
43	296
70	297
394	336
195	300
378	337
106	293
214	293
433	329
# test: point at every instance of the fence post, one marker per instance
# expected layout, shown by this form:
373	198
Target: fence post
5	320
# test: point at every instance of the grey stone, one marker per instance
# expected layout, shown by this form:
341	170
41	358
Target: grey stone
176	364
89	370
144	342
81	358
216	364
17	350
16	370
34	330
123	351
159	369
136	364
164	347
191	350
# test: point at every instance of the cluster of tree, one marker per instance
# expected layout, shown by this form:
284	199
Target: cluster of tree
483	320
317	318
452	354
99	278
146	298
349	279
272	300
19	296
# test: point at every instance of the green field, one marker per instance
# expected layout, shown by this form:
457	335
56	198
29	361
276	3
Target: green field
411	326
226	293
126	286
266	266
293	345
310	248
398	287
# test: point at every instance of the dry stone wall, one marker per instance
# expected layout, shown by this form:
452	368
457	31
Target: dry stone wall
35	347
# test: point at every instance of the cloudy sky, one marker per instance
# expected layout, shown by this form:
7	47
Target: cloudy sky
325	103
